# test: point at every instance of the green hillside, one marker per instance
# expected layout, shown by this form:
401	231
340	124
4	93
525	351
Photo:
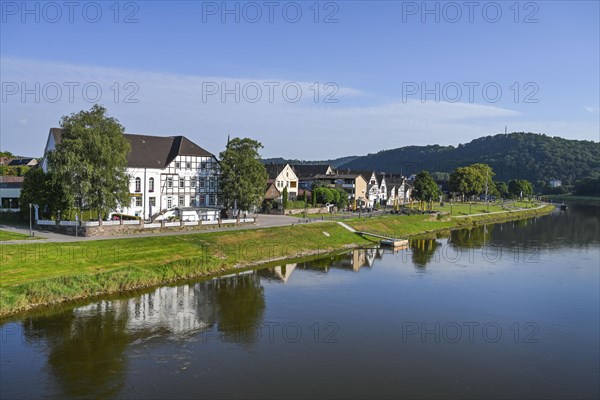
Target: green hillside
334	162
512	156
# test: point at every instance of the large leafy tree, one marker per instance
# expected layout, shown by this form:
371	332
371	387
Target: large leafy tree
501	189
39	188
243	176
472	179
90	162
517	187
425	189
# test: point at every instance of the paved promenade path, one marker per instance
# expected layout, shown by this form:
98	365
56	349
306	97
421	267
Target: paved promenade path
263	221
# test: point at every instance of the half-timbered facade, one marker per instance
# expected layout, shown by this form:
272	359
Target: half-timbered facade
165	173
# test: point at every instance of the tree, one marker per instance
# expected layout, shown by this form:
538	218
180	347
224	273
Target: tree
472	179
243	175
501	188
89	164
466	181
323	195
343	199
588	186
425	189
284	198
39	188
518	188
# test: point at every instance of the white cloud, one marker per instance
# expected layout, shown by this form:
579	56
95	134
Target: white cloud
171	104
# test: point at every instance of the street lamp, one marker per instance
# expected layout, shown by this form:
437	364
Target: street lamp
30	227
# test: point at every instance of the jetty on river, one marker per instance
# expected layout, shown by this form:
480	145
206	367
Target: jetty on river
386	240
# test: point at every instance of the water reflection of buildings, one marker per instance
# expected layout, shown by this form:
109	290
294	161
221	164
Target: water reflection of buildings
353	260
360	258
86	345
177	310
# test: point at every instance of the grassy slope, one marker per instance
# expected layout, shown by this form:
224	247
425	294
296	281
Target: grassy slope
42	273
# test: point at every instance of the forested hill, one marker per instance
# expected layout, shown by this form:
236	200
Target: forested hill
334	162
516	155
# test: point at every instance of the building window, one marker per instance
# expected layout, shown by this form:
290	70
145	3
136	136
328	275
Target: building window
188	165
169	202
212	183
170	183
193	182
151	185
202	200
202	182
177	164
182	201
203	165
138	201
138	185
212	199
181	182
152	201
293	184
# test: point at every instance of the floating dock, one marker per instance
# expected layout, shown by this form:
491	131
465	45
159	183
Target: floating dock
394	242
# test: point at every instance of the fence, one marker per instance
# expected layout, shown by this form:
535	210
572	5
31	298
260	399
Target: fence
94	228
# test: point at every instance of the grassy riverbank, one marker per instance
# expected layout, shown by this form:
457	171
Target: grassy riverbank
575	198
37	274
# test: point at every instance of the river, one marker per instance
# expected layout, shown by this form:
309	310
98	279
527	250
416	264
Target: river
504	310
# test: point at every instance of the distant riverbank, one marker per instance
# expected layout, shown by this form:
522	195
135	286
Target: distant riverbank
39	274
574	198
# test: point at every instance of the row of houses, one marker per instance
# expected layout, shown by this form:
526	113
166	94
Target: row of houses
364	188
172	172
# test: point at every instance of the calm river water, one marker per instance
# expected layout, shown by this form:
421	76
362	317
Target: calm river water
506	310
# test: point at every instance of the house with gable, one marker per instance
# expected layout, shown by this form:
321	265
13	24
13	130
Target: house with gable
306	173
283	176
166	173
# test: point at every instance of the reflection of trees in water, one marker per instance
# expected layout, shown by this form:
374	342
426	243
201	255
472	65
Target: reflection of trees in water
241	304
476	236
85	353
578	225
86	345
422	250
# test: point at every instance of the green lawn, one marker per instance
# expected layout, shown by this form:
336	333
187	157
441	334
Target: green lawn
400	225
479	207
5	235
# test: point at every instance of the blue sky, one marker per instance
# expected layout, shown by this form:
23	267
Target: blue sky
162	69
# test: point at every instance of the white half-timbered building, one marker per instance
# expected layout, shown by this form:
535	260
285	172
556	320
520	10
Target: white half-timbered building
166	172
